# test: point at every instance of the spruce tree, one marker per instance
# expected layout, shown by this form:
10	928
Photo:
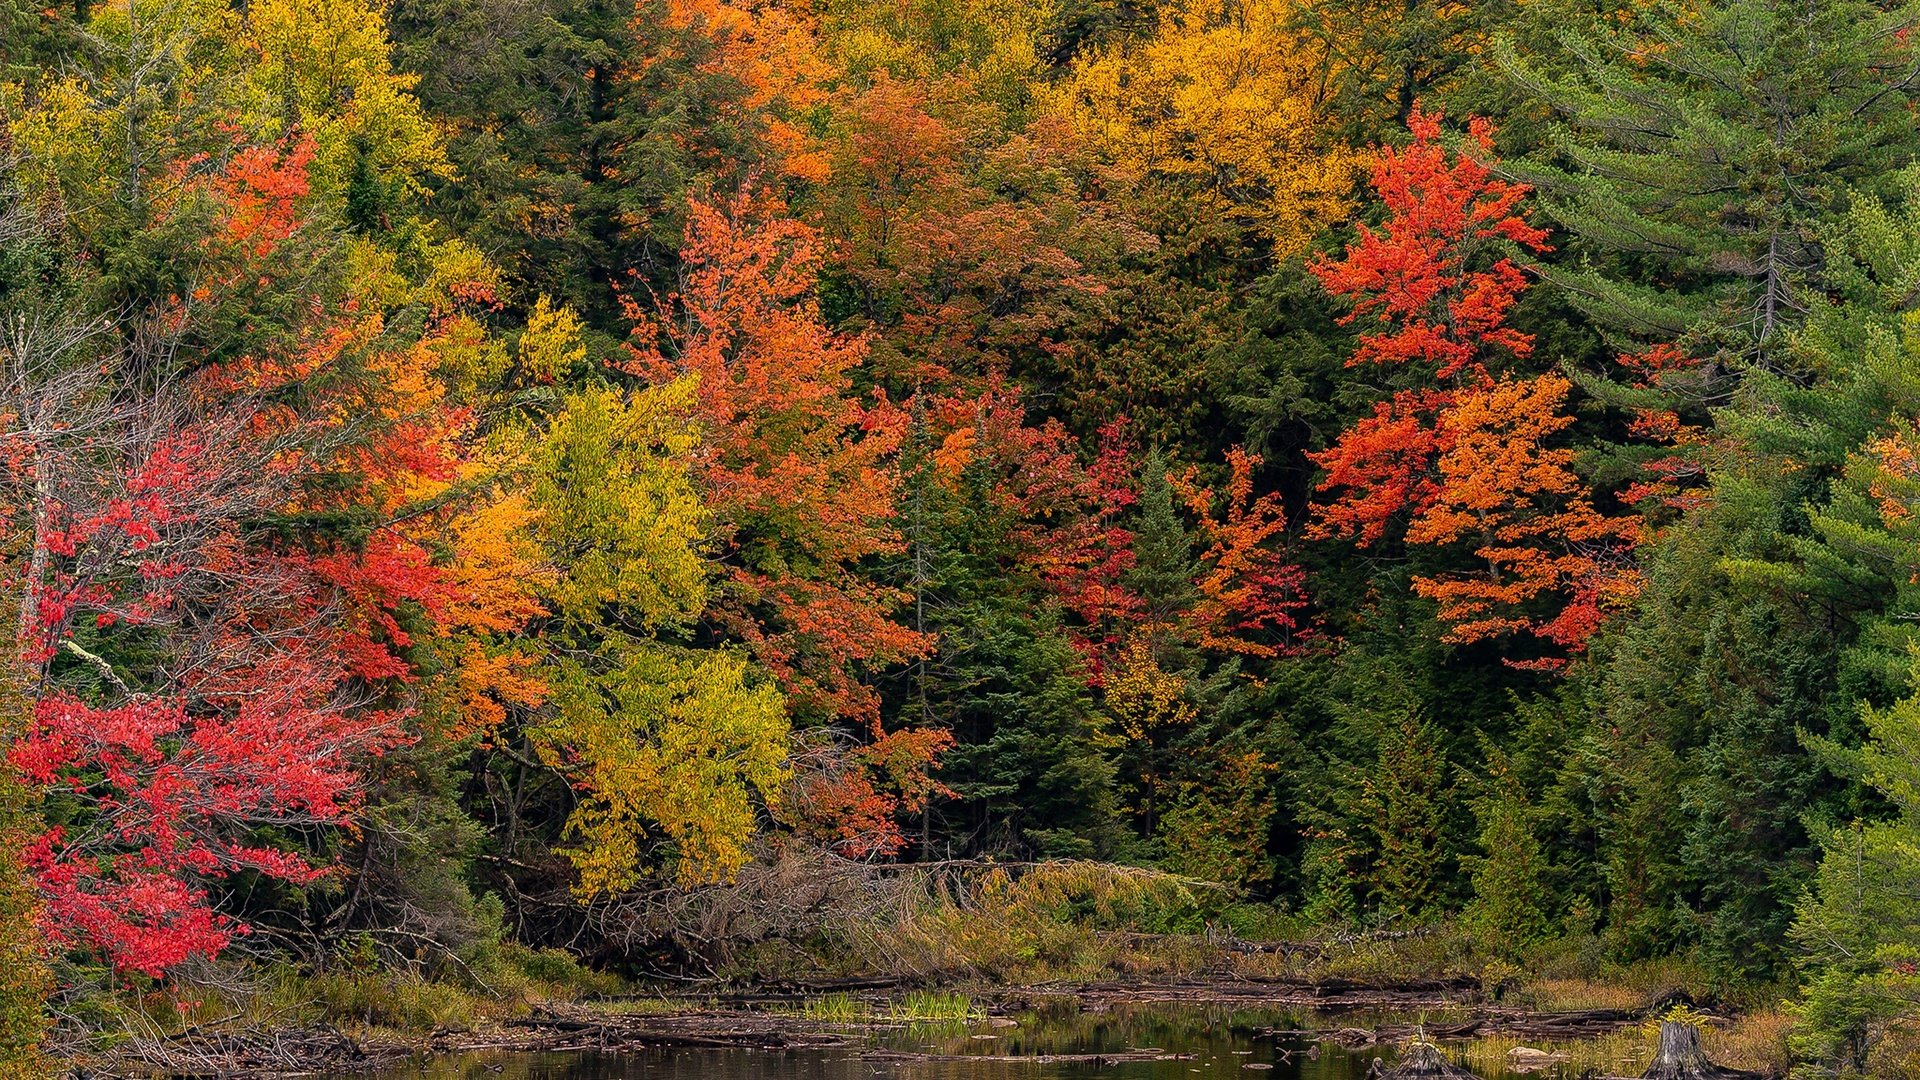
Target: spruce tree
1164	564
1509	906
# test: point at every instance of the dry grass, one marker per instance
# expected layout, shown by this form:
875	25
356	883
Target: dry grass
1755	1041
1621	1053
1580	995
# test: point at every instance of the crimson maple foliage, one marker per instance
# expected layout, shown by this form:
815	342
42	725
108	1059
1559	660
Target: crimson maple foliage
259	654
1071	505
249	721
1464	455
1066	504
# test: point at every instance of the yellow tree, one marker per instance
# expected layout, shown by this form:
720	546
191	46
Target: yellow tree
1224	101
661	742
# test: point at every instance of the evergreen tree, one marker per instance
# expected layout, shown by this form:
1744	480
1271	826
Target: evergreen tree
1703	695
1027	773
1509	910
1704	147
1164	563
1387	831
578	129
1858	924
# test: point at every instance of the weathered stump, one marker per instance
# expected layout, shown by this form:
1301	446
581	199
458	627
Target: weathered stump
1422	1060
1680	1057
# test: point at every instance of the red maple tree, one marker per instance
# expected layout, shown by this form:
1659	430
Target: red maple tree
1463	454
209	660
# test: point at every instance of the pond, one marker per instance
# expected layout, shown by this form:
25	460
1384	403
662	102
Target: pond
1193	1041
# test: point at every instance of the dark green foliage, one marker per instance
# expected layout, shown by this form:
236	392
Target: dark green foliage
1391	55
1027	774
1164	562
1858	927
1387	834
1405	797
1702	151
1747	850
1510	906
579	128
1007	681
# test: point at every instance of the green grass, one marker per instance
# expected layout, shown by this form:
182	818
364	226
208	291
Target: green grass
834	1009
927	1006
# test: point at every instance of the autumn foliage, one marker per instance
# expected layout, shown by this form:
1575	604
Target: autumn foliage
1465	455
794	464
483	479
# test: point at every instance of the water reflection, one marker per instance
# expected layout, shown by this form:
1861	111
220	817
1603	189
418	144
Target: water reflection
1223	1042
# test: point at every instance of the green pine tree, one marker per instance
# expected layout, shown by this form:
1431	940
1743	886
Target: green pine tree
1703	149
1858	925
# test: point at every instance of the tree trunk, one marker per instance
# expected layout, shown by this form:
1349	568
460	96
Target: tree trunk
1680	1057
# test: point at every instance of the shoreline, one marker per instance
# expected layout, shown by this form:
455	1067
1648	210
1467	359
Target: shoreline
775	1020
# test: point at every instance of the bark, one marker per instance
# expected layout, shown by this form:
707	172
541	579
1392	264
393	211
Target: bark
1680	1057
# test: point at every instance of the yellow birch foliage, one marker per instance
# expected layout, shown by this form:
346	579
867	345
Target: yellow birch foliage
618	510
323	67
1228	103
972	51
1142	697
181	73
550	345
662	744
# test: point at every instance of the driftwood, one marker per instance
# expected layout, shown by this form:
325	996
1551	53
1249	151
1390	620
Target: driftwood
1680	1057
1421	1061
249	1053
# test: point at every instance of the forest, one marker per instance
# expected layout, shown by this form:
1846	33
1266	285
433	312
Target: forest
574	492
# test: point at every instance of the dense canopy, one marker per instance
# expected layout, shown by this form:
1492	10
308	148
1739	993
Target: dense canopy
482	475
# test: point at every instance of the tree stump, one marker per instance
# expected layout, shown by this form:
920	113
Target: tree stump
1422	1059
1680	1057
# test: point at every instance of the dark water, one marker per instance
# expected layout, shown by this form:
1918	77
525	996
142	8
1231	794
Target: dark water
1238	1043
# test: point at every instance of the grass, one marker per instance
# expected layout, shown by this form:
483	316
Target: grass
1579	995
1754	1041
357	993
914	1007
927	1006
834	1009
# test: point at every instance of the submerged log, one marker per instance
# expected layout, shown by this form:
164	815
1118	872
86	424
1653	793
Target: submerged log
1680	1057
1422	1060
